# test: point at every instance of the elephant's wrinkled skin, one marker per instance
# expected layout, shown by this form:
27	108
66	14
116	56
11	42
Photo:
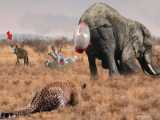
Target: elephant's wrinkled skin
120	43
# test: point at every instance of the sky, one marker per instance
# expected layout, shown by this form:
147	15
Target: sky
59	17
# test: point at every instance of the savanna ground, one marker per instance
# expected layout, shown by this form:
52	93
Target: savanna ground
132	97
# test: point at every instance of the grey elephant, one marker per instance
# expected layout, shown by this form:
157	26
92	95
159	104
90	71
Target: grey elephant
123	45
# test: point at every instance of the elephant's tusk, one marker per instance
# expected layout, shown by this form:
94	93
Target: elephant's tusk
151	68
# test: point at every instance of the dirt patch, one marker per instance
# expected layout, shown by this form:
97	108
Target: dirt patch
132	97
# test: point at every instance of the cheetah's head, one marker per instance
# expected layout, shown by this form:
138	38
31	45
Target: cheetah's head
75	96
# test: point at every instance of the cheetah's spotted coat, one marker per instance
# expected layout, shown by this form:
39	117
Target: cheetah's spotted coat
52	96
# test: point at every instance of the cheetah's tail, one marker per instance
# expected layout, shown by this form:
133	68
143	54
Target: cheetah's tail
7	115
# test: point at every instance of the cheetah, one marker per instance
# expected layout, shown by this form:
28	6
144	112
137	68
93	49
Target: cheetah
55	95
21	53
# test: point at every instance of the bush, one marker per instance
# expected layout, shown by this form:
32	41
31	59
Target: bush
37	45
42	45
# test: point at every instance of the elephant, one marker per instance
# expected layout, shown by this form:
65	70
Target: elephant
123	45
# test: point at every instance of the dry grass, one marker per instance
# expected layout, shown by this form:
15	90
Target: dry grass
134	97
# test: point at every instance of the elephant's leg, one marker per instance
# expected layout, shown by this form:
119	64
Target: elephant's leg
92	66
128	63
129	66
108	44
110	61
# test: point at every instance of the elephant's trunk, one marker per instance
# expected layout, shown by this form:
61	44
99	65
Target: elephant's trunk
147	66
